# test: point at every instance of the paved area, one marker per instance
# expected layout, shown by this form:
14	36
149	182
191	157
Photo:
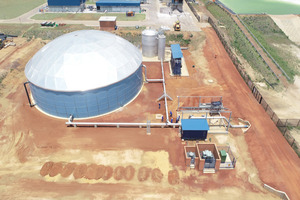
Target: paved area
154	18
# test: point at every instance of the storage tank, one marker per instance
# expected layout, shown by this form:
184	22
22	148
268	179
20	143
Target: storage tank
85	73
161	46
149	43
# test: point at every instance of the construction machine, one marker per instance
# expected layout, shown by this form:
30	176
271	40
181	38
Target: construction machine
4	38
177	26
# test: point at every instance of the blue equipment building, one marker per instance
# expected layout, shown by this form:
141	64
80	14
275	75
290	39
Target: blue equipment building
66	5
194	129
118	5
176	57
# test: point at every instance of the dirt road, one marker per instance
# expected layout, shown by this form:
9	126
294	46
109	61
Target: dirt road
277	163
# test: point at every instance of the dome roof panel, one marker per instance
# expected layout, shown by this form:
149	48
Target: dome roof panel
83	60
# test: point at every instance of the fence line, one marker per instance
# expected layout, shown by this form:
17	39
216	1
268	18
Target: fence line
193	10
279	67
281	124
228	13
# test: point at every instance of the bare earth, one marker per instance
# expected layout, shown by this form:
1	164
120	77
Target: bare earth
285	103
98	163
290	25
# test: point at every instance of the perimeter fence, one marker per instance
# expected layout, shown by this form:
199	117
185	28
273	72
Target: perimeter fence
282	124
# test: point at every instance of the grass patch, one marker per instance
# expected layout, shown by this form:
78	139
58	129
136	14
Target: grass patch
87	16
47	33
239	41
178	39
30	31
272	38
91	2
2	77
15	8
14	29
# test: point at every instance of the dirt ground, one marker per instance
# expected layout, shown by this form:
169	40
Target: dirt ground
290	25
284	103
126	163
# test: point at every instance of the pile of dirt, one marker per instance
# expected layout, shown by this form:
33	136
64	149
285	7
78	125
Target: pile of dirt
156	175
119	173
129	173
143	174
68	169
108	172
99	171
56	169
96	172
80	171
173	177
46	168
91	172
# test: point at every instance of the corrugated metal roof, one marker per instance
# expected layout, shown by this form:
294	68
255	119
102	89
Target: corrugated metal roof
118	3
194	125
176	51
65	2
83	60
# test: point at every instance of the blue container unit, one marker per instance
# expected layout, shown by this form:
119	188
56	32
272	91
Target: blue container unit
194	129
85	73
176	57
88	103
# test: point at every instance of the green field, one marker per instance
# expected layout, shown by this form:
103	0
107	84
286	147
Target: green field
272	38
15	8
87	16
90	2
37	31
239	41
274	7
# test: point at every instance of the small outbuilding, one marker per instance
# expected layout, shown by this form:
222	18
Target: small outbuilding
108	23
118	5
66	5
176	57
194	129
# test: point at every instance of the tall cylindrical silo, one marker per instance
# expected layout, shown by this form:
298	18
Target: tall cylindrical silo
149	43
161	47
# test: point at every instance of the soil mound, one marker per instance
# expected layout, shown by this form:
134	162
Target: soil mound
119	173
143	173
68	169
173	177
80	171
56	169
156	175
108	172
46	168
99	171
91	171
129	173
